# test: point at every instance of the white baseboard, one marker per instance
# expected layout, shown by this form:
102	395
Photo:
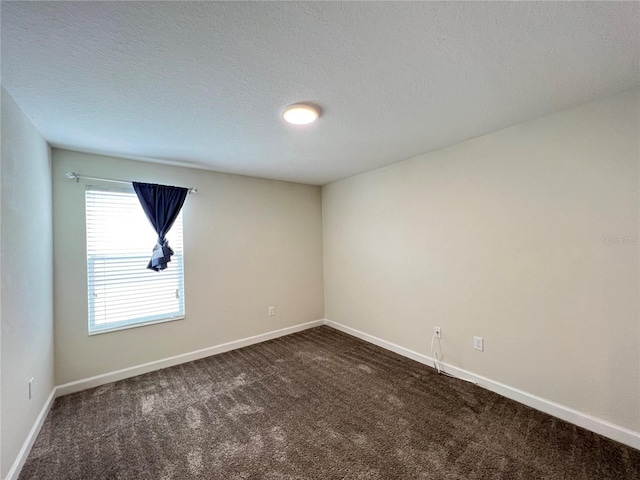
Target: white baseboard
405	352
129	372
14	471
581	419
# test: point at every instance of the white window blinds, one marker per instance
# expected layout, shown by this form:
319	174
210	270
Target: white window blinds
122	292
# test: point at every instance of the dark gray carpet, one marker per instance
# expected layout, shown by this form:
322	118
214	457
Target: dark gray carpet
315	405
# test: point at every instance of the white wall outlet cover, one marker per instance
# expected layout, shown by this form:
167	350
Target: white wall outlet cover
272	311
438	332
478	343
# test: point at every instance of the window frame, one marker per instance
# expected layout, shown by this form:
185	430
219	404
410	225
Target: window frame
177	260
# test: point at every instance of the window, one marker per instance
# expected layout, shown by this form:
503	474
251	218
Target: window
122	292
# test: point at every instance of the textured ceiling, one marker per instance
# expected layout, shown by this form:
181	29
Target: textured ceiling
203	84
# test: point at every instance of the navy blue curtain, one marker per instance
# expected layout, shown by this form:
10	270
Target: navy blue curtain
162	205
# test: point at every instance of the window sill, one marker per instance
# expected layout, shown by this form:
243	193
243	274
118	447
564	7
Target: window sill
135	325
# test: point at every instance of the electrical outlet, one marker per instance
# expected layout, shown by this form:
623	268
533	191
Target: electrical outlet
438	332
478	343
272	311
30	388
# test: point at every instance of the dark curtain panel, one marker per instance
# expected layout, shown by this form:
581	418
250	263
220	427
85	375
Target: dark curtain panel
162	205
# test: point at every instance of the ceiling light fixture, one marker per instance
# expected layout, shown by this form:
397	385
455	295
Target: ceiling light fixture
301	113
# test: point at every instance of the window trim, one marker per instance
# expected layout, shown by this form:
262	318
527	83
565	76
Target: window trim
124	324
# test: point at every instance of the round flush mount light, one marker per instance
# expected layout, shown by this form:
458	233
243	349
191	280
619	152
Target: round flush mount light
301	113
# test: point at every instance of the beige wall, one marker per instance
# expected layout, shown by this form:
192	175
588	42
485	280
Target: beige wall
26	295
527	237
249	243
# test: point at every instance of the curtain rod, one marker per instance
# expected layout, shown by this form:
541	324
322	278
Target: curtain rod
77	177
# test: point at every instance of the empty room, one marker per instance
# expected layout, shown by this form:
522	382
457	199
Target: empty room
320	240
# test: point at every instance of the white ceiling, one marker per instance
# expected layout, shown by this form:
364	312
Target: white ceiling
203	84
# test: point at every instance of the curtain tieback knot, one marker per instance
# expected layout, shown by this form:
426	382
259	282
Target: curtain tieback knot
161	255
